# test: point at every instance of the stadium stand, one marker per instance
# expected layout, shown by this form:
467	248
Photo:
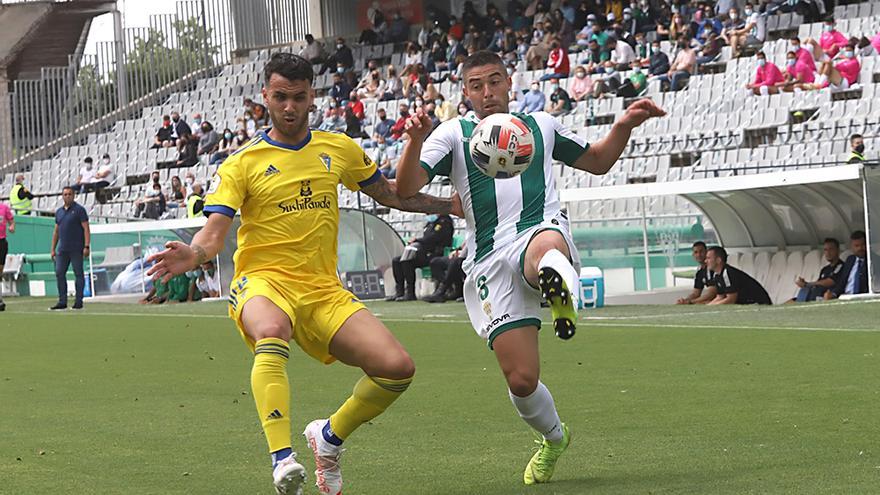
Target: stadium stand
714	129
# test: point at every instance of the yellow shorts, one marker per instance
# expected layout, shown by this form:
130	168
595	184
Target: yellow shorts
317	312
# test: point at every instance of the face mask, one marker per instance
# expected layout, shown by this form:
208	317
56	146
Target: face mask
205	129
438	102
849	54
610	72
88	166
535	88
339	46
431	218
733	16
656	48
791	62
197	121
509	71
580	75
747	12
228	135
637	70
106	161
462	110
175	119
795	47
340	70
189	181
860	149
626	17
554	87
382	146
828	28
761	62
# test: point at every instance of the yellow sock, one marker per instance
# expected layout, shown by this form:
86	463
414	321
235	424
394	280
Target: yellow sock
272	391
370	398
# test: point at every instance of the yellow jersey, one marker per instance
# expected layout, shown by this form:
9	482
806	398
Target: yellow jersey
287	195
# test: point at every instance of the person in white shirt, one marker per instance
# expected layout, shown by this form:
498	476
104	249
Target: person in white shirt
622	54
207	282
86	175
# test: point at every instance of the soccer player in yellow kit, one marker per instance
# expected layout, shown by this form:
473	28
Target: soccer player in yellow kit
284	182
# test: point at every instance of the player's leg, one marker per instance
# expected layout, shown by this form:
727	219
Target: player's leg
547	265
269	327
364	342
517	353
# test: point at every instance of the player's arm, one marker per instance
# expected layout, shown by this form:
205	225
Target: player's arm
602	154
729	298
690	298
421	159
179	258
385	193
709	294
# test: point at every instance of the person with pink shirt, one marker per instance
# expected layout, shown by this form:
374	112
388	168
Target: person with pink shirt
6	220
840	76
767	77
803	55
582	85
830	43
797	74
875	42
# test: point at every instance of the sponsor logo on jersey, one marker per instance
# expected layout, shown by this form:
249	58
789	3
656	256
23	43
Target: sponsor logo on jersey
271	171
305	203
326	160
305	189
497	321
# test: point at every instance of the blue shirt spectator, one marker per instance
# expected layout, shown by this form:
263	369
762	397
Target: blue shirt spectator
71	235
341	89
533	101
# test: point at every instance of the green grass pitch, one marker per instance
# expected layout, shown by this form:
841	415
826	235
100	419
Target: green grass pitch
125	399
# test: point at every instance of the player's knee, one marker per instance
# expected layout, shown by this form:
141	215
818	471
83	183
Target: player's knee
398	366
522	384
272	329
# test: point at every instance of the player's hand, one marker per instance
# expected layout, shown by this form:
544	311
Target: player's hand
457	209
12	229
800	282
418	125
177	258
639	112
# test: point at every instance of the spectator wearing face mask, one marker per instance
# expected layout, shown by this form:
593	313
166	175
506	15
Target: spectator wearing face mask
732	25
462	109
658	63
336	122
225	148
104	176
340	89
832	40
581	86
163	137
210	139
711	49
152	205
797	75
560	101
839	76
767	77
179	127
381	129
342	57
595	57
187	147
857	149
752	33
197	125
393	85
248	123
622	55
316	116
682	67
635	84
534	100
400	125
86	176
803	55
557	62
608	84
708	24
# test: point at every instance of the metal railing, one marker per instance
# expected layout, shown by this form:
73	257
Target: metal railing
142	67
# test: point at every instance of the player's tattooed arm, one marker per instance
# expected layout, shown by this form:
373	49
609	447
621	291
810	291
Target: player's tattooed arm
385	193
201	254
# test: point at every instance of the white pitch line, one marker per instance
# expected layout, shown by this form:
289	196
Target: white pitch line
751	309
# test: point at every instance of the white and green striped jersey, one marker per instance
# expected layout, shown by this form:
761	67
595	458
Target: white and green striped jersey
498	210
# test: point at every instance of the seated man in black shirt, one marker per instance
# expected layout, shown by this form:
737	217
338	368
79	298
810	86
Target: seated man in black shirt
447	271
704	289
828	275
434	240
733	285
853	278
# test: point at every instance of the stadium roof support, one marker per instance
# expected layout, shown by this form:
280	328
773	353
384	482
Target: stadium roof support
779	210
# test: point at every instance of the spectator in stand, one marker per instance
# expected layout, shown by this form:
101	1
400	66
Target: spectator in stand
613	9
248	123
582	86
19	197
176	195
857	149
539	51
841	76
642	49
209	141
336	122
608	84
313	51
752	33
732	26
557	62
563	28
797	74
447	271
875	42
393	85
373	88
398	30
257	111
226	147
560	101
341	89
853	278
431	112
767	77
865	47
163	137
381	128
498	35
188	181
86	175
803	55
534	100
658	64
704	288
711	49
356	105
382	159
831	41
241	138
708	24
353	125
635	84
187	147
445	109
104	176
733	285
595	57
678	27
179	127
195	201
462	109
152	205
400	125
629	24
622	55
723	8
682	67
342	57
583	37
197	125
828	275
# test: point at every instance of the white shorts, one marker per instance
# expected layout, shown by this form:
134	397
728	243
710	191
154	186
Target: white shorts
496	293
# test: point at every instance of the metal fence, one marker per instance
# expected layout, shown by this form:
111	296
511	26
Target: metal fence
137	70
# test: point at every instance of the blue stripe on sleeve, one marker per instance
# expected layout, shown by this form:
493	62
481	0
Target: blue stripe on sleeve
371	179
225	210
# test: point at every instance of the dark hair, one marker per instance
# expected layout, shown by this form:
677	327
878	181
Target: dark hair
719	252
106	155
794	38
700	244
858	235
88	159
288	66
832	241
310	38
480	58
761	54
855	136
65	188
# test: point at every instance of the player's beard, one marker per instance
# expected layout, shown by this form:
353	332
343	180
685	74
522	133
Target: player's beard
291	128
496	105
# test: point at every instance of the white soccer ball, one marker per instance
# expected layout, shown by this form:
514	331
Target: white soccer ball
502	146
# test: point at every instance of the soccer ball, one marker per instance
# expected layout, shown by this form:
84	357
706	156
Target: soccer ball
502	146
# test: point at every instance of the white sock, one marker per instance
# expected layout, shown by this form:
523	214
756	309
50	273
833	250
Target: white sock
556	260
539	411
764	90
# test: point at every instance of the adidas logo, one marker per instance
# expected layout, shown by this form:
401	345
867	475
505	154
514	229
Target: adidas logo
271	171
276	414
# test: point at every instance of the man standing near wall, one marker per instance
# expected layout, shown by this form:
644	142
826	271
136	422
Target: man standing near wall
70	244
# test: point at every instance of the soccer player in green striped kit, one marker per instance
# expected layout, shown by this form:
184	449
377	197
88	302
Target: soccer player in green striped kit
518	238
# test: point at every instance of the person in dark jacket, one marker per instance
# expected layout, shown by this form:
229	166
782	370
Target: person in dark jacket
659	62
853	278
433	242
342	57
733	285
